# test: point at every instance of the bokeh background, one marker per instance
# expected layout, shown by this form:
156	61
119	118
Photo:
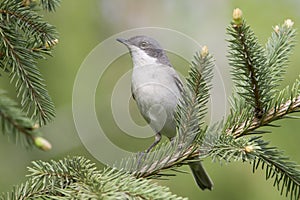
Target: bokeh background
84	24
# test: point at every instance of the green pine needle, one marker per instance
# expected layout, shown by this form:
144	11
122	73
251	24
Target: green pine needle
78	178
25	38
225	148
249	71
50	5
256	102
286	174
193	106
18	127
278	49
240	122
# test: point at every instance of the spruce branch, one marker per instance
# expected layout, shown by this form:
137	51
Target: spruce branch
25	74
199	80
278	48
49	5
78	178
276	106
166	156
248	71
224	147
14	14
278	112
193	105
17	126
25	38
286	174
267	70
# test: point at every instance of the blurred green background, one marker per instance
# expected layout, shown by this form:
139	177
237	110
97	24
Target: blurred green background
84	24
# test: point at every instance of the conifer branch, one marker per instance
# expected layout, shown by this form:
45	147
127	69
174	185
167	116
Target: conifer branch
78	178
276	104
273	114
268	69
247	61
28	79
193	105
165	156
25	38
49	5
278	48
17	126
286	174
29	22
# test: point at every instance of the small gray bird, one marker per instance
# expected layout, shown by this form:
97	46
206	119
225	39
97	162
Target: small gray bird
157	88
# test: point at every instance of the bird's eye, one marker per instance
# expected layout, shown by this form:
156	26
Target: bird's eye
143	45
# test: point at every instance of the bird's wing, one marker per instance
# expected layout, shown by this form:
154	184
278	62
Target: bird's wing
132	94
178	81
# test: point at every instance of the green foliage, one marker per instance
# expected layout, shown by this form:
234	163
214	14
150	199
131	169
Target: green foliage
225	148
285	173
49	5
249	73
19	127
12	121
255	102
26	38
78	178
256	73
278	48
195	98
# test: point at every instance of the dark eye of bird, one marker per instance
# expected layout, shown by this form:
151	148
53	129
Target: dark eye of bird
143	45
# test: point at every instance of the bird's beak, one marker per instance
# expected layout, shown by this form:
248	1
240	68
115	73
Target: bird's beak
123	41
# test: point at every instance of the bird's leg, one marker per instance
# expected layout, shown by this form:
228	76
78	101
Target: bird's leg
157	139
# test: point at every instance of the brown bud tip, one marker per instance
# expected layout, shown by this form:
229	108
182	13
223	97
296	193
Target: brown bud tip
204	51
237	16
42	143
288	23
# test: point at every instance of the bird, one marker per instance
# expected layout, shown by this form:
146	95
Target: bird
157	89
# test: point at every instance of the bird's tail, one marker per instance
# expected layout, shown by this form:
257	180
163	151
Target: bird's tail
201	176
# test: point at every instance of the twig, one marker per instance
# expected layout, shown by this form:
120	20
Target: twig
273	114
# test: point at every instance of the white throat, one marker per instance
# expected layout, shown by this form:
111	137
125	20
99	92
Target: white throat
141	58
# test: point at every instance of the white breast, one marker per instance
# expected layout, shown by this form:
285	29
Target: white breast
156	94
